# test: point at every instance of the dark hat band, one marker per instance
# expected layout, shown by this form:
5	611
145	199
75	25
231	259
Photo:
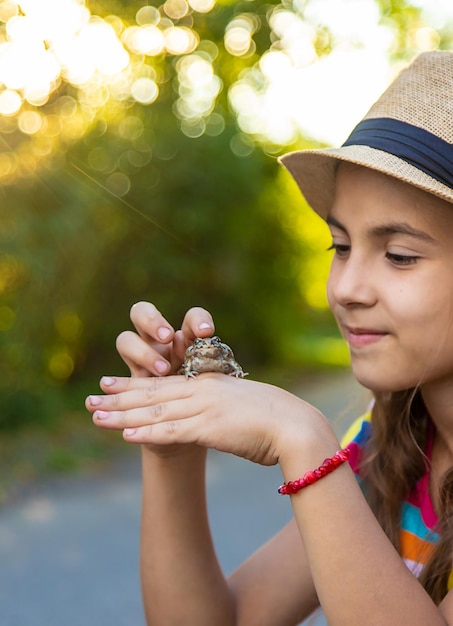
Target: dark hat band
412	144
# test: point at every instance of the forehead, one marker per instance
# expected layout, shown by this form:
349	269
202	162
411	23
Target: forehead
365	196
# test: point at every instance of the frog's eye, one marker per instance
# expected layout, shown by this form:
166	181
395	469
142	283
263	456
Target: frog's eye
198	342
215	340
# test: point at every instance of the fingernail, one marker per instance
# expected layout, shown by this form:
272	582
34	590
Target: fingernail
129	432
161	366
95	400
204	326
101	415
163	332
108	381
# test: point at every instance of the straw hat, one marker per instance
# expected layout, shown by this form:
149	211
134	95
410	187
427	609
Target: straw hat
407	133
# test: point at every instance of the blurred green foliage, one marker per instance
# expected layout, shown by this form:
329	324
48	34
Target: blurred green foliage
131	201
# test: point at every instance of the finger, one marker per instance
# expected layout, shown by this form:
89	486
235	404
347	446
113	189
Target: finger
178	421
133	418
150	323
138	396
131	412
125	393
180	345
141	358
119	384
163	433
197	323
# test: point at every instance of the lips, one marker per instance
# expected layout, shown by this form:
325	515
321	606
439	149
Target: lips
358	337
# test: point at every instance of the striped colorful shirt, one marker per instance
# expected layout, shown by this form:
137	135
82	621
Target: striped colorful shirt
419	519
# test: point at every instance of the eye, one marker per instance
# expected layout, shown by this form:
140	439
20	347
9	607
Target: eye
401	259
341	250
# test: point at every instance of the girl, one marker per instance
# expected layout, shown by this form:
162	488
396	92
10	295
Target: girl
371	540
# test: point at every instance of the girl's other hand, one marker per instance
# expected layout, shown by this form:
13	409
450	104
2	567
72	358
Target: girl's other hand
156	349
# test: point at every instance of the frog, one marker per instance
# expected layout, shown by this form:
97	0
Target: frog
210	355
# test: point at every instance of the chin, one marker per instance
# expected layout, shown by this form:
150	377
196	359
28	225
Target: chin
380	382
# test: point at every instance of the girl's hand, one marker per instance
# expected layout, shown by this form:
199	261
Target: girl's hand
156	349
252	420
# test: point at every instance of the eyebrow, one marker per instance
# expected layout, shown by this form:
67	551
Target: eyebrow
385	230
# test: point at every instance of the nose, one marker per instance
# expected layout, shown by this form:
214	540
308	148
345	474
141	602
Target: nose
351	283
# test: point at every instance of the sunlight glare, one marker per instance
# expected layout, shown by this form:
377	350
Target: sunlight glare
53	20
438	13
8	10
53	38
27	62
297	86
427	38
37	92
296	36
275	65
320	97
94	49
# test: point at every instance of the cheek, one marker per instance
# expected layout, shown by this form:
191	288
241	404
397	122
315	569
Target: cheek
430	306
425	322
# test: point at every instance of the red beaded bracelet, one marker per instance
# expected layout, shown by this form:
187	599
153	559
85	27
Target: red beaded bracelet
328	466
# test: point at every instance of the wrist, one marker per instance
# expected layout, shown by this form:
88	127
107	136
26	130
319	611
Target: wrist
329	465
174	462
308	446
177	455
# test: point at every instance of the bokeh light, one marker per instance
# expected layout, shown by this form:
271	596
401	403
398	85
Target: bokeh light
180	40
61	364
10	102
63	68
147	15
7	318
202	6
144	90
239	35
147	39
30	122
198	89
176	9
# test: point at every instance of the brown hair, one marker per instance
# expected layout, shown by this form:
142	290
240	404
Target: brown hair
394	461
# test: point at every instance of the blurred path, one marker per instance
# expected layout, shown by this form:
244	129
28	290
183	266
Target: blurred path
69	550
